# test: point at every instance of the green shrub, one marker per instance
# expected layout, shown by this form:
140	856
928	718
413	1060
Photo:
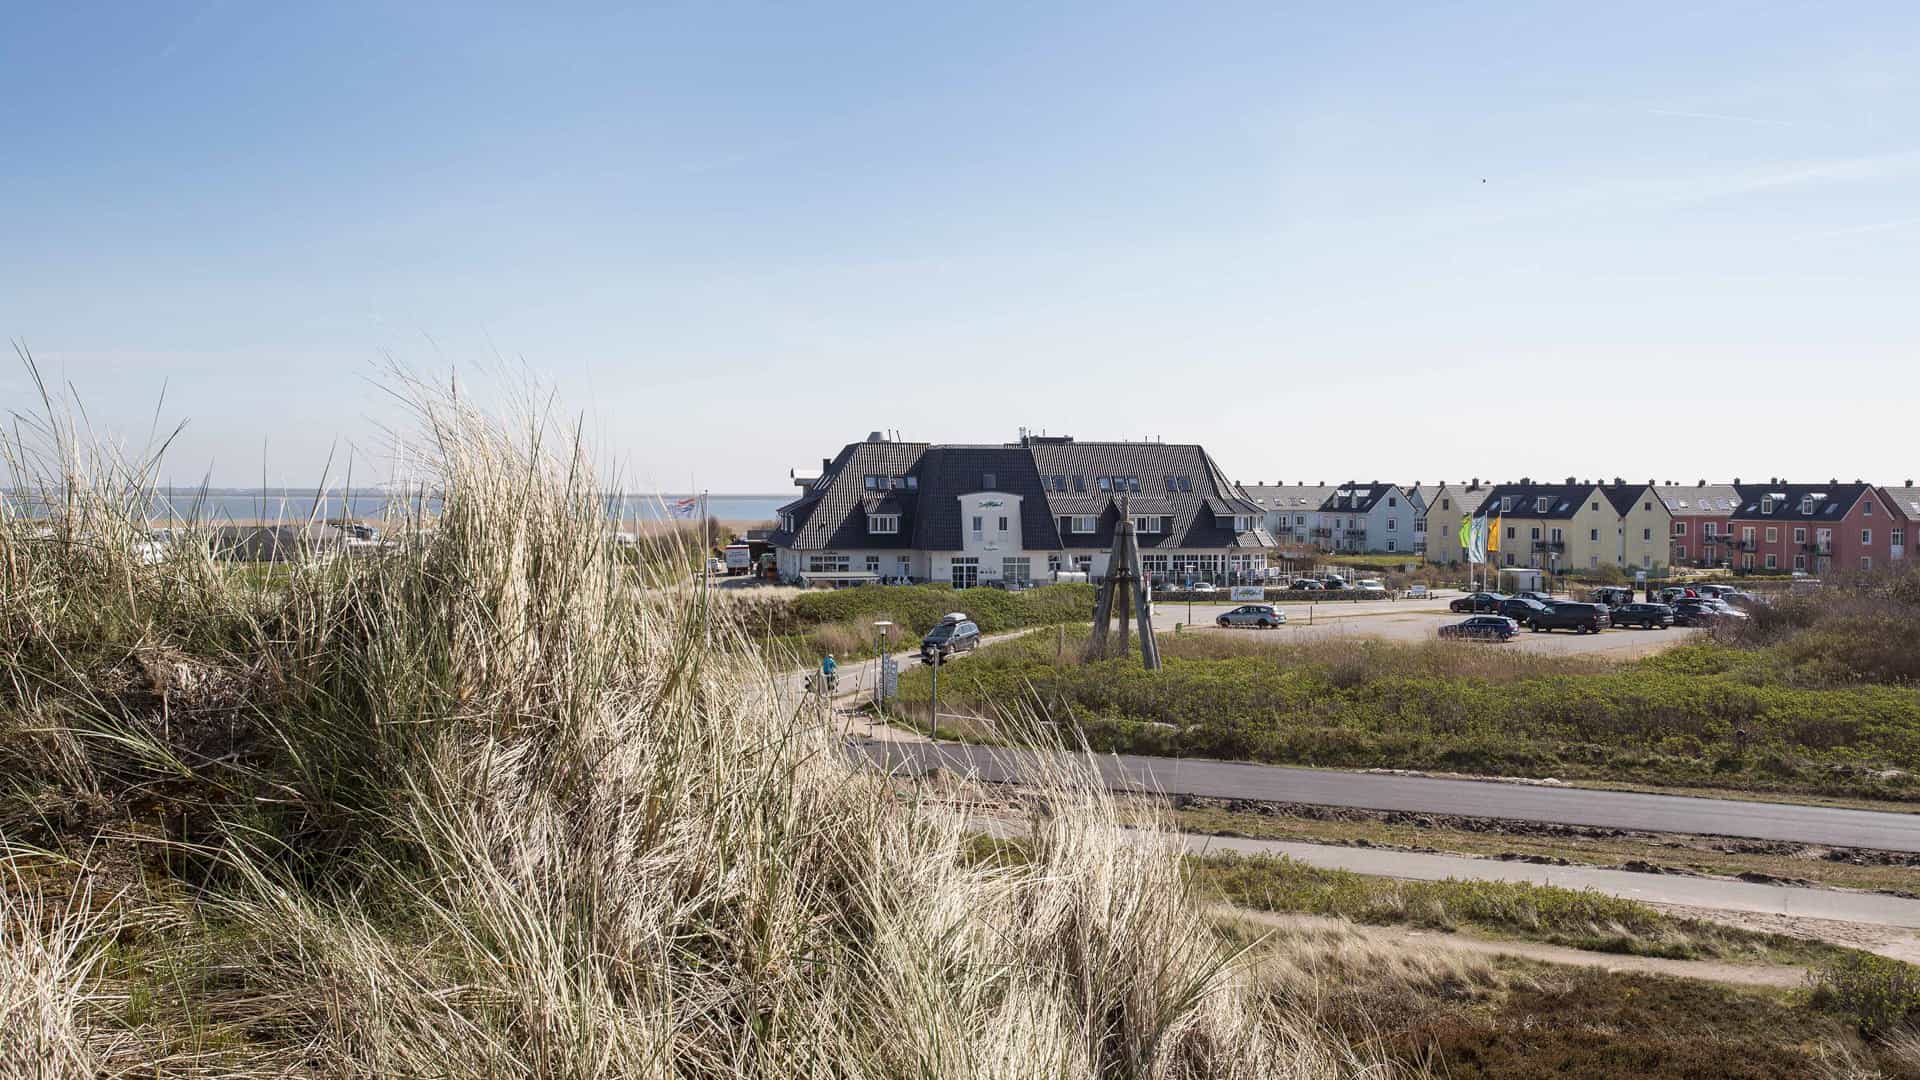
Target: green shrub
1876	993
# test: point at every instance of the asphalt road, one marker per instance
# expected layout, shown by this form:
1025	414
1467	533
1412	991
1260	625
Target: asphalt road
1878	909
1818	825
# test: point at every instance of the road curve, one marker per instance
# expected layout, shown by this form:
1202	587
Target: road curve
1418	794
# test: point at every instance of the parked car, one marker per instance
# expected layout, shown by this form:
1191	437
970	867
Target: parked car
1521	609
956	633
1545	598
1645	616
1716	592
1580	618
1700	611
1417	592
1611	595
1743	600
1371	584
1477	602
1265	616
1307	584
1482	628
1201	588
1334	581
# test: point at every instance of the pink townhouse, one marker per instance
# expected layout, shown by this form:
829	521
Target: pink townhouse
1702	514
1816	528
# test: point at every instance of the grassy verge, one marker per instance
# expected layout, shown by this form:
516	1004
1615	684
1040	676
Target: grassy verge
1704	715
1580	919
841	621
1594	847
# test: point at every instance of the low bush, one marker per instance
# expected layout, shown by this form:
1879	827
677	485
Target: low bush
1878	994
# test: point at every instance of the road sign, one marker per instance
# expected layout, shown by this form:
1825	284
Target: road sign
889	678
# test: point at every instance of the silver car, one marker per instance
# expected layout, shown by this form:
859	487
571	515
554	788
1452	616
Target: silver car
1265	616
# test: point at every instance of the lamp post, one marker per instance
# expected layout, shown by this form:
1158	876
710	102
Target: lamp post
879	659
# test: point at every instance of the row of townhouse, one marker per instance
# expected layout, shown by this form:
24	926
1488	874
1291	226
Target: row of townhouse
1570	526
1780	525
1354	517
1008	513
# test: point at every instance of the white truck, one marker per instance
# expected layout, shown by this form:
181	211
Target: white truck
739	559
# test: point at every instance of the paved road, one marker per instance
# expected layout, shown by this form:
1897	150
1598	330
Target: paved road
1470	798
1876	909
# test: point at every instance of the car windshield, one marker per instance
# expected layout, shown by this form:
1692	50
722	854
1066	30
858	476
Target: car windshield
940	633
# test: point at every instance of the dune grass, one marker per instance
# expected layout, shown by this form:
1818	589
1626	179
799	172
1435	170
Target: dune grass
499	803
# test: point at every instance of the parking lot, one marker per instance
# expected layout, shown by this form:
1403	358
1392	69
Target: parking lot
1410	621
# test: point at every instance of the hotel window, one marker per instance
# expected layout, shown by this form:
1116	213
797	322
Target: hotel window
1510	536
1106	483
873	565
978	527
1646	534
1016	568
1540	504
1084	523
1799	536
1172	484
1506	504
873	483
827	564
1773	534
1003	524
1186	484
1393	524
1080	484
1146	524
1059	482
1766	505
913	483
1393	545
1593	534
1133	483
883	523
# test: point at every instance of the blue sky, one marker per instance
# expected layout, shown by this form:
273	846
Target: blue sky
1358	240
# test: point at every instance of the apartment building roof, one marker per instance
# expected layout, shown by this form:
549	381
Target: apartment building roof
1290	498
1783	502
1698	498
1905	500
1358	498
1054	477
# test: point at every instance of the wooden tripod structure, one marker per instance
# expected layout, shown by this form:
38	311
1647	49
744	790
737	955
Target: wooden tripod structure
1124	588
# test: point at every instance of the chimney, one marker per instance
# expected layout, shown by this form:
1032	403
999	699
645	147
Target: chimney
1703	482
1569	481
1736	481
1476	484
825	464
1909	483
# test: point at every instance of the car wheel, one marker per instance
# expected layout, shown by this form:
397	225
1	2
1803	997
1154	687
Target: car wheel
1265	625
1221	623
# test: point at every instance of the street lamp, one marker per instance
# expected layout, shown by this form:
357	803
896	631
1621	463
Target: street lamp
879	659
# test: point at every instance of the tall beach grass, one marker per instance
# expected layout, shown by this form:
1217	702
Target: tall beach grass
498	802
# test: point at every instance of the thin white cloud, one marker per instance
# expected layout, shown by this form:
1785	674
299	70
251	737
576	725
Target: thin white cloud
1685	115
1859	230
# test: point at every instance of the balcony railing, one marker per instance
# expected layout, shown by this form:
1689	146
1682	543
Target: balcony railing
1818	548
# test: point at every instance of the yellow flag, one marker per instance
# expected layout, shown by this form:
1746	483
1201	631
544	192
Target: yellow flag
1493	536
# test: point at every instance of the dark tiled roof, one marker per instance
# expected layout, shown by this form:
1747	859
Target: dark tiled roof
1831	502
1194	512
833	513
1905	500
1199	508
1624	496
1697	500
948	472
1563	500
1354	498
1288	498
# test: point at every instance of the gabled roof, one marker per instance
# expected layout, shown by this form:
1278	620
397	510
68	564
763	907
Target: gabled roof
1195	510
1053	478
1465	500
1828	502
1904	500
1288	498
1623	496
1698	500
1356	498
833	514
1563	500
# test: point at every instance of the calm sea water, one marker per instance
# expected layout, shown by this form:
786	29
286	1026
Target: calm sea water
235	505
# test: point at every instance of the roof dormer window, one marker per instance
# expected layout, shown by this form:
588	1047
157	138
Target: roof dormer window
1766	504
1540	504
883	524
1806	505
